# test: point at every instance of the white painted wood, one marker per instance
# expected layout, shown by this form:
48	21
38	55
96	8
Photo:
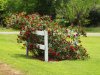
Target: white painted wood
40	46
40	33
46	45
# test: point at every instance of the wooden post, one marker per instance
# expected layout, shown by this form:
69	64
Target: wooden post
43	47
46	45
27	52
27	49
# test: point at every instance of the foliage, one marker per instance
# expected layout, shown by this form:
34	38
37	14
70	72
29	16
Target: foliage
94	16
75	11
45	7
21	5
63	42
2	9
3	4
72	11
13	19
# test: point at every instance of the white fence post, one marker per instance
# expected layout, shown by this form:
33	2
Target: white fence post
46	45
43	47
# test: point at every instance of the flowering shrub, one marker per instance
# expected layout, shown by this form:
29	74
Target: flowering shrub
64	43
14	20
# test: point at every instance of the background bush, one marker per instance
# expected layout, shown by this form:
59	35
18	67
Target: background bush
94	17
72	11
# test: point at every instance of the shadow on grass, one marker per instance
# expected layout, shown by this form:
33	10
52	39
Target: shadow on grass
28	57
22	56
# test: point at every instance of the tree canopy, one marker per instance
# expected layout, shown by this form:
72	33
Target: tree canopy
71	10
75	10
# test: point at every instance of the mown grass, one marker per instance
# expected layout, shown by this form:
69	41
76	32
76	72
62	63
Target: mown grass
12	54
4	29
93	29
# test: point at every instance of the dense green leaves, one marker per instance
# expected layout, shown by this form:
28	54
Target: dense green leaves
75	10
3	4
21	5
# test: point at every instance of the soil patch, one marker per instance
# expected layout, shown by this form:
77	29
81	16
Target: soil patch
7	70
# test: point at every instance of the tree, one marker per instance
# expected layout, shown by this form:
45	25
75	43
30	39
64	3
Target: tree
21	5
75	11
2	4
45	7
2	9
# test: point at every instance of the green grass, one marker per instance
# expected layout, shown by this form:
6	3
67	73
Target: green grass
93	29
12	54
3	29
90	29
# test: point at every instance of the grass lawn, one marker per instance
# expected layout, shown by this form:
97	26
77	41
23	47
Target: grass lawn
2	29
93	29
12	54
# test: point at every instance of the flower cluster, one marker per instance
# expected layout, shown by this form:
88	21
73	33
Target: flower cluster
64	43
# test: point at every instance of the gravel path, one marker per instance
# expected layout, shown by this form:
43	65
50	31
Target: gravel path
88	34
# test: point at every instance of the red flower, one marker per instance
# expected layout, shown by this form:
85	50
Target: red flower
76	34
27	17
47	23
68	36
50	20
31	22
17	22
32	17
66	30
23	28
30	46
66	47
39	24
20	33
27	33
23	23
50	50
33	29
72	25
49	32
68	56
54	53
57	54
78	56
72	48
